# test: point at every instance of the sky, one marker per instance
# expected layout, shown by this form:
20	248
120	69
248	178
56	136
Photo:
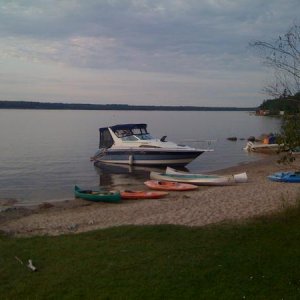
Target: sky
139	52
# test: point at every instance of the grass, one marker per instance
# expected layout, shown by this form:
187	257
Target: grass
256	260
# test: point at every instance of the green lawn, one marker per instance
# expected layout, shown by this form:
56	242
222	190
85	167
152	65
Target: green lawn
256	260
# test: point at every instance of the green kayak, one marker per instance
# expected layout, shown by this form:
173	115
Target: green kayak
97	196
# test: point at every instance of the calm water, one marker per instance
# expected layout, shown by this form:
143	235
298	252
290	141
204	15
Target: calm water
44	153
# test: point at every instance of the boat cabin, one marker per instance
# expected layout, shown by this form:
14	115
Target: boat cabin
124	132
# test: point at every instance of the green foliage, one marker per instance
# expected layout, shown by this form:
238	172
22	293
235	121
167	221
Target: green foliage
258	260
291	131
289	138
289	106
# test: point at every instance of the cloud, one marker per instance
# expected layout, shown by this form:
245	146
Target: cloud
178	37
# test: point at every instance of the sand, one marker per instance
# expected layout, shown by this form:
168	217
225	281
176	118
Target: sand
207	205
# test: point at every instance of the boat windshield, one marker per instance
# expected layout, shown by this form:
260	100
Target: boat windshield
141	133
133	134
145	136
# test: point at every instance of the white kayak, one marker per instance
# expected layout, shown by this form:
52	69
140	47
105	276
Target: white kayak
238	178
193	179
199	179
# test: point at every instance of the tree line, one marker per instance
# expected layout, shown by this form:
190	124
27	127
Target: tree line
78	106
289	104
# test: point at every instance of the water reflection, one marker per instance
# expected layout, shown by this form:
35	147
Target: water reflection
124	176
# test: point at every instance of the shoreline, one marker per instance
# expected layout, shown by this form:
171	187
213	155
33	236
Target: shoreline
207	205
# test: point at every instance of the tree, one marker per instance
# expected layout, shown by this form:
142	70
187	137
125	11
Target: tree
283	56
289	138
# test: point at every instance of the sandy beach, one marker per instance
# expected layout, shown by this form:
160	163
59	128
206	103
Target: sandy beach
207	205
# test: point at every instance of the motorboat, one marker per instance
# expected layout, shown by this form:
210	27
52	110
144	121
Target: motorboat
132	144
262	147
266	144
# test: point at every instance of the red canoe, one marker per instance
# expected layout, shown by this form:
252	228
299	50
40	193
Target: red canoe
142	195
170	186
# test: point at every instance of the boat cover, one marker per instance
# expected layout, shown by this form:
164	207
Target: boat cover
106	141
125	126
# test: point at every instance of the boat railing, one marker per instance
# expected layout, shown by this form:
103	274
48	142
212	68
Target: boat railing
204	144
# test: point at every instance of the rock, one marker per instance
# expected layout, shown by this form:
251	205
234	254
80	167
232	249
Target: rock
251	139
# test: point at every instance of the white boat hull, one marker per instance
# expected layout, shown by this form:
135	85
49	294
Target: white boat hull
161	157
262	148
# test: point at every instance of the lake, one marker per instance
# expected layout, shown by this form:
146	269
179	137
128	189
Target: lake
44	153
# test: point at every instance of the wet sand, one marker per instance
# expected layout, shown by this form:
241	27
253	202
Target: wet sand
207	205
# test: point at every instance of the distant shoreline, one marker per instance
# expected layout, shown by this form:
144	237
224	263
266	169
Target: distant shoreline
80	106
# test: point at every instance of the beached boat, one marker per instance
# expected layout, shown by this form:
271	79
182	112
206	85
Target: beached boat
169	186
292	177
132	144
142	194
197	179
97	196
262	148
237	178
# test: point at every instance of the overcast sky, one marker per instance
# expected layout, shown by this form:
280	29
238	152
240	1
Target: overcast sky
160	52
